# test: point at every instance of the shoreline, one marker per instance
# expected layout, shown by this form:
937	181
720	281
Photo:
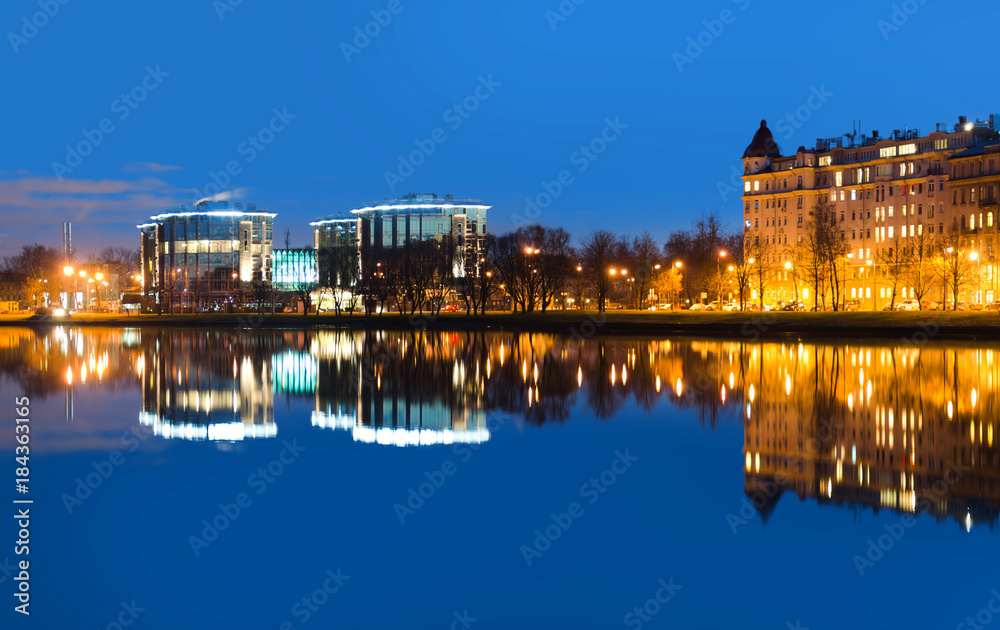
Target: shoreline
827	324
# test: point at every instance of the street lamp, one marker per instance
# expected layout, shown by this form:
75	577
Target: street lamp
68	270
718	269
979	286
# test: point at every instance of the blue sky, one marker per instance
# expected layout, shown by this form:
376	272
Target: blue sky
675	114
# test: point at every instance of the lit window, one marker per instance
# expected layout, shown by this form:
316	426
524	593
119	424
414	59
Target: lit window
890	231
756	186
746	187
902	168
989	219
839	176
854	195
972	221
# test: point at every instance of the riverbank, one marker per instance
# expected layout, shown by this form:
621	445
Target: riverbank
938	324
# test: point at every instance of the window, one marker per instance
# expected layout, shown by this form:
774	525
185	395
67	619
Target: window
989	219
885	152
883	169
756	205
920	209
800	201
756	223
841	215
854	235
854	195
890	190
746	186
940	144
890	213
756	186
825	160
800	219
839	177
890	231
908	149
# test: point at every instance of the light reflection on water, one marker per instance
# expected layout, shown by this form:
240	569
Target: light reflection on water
898	427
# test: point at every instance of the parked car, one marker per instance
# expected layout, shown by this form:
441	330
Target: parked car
714	305
697	307
793	306
908	305
450	308
731	306
930	305
993	306
852	305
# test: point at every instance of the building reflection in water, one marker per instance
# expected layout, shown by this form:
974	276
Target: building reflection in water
399	389
212	385
881	427
900	428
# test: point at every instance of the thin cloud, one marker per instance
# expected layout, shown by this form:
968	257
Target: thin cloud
148	167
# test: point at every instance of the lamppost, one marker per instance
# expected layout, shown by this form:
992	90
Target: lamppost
718	269
795	281
86	292
69	272
979	284
731	269
97	285
870	263
677	288
948	272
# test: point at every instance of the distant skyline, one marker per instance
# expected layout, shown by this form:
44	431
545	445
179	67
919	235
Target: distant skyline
299	110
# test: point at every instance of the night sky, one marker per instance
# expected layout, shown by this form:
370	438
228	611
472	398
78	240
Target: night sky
312	116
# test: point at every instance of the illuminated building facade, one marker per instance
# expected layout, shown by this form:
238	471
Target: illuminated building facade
459	226
294	268
195	257
884	193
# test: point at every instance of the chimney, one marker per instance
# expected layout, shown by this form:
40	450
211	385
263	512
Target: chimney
938	127
874	133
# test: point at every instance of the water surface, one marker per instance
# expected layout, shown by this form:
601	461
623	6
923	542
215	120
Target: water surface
217	478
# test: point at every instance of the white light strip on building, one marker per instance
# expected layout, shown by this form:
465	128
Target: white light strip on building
213	213
325	221
446	206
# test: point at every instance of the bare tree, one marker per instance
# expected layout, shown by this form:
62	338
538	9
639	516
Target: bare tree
599	251
894	261
955	268
920	273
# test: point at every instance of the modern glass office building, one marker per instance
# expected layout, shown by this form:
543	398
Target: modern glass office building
293	268
378	226
194	257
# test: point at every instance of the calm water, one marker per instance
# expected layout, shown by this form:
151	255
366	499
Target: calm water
340	479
